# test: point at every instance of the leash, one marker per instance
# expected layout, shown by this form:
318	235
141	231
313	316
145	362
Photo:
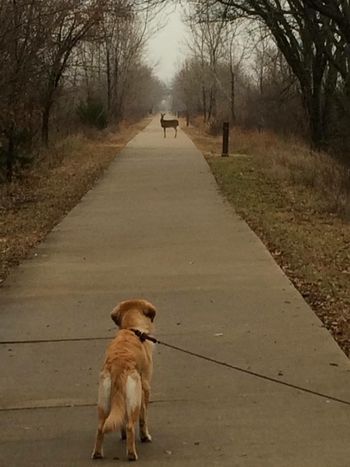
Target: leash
146	337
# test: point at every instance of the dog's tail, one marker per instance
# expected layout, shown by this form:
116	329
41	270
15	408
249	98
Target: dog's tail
117	411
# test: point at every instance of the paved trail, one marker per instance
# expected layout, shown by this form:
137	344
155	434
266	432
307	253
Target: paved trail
156	227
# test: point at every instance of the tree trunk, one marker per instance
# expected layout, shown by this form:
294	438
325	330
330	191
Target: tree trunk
45	125
329	112
214	103
233	96
10	157
108	73
47	107
212	111
313	108
204	102
210	104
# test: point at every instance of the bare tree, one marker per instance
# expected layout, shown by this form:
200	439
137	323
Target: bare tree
71	21
303	36
22	34
207	42
117	52
51	51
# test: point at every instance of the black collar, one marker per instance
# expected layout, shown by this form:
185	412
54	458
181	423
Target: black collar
143	336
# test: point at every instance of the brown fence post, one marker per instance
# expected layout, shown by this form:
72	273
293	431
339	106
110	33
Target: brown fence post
225	135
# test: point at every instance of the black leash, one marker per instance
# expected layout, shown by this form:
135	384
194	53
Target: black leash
146	337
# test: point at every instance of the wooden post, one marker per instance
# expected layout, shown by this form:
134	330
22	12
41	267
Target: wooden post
225	135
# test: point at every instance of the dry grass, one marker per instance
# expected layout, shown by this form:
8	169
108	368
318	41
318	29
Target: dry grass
297	202
288	160
37	200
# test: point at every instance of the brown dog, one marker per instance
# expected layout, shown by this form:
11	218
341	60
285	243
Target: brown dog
124	386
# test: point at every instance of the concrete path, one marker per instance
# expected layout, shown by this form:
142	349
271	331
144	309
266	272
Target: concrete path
156	227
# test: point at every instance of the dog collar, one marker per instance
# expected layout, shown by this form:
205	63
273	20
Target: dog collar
143	336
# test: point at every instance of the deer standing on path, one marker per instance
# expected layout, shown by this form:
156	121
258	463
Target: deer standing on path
168	124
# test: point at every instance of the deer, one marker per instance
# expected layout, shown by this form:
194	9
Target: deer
168	124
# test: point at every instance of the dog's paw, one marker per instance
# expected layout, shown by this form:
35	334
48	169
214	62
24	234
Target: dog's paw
146	438
132	456
96	455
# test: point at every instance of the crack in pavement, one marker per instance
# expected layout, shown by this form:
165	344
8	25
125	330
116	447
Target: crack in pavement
71	405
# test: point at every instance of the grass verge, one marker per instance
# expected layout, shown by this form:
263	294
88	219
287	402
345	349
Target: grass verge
37	200
297	202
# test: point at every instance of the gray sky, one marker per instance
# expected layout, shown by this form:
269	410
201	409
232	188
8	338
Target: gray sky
166	50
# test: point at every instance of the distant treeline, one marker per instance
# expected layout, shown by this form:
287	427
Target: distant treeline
268	64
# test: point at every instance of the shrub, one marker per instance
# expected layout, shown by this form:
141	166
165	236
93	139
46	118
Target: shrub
92	113
20	156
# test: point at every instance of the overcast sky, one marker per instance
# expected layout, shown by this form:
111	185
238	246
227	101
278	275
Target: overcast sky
166	50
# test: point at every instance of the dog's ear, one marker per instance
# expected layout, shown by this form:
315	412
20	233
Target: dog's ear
149	311
116	315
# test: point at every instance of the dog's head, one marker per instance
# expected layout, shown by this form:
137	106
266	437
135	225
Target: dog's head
134	313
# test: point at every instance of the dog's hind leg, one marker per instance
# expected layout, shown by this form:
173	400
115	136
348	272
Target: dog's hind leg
144	433
103	407
97	453
133	405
